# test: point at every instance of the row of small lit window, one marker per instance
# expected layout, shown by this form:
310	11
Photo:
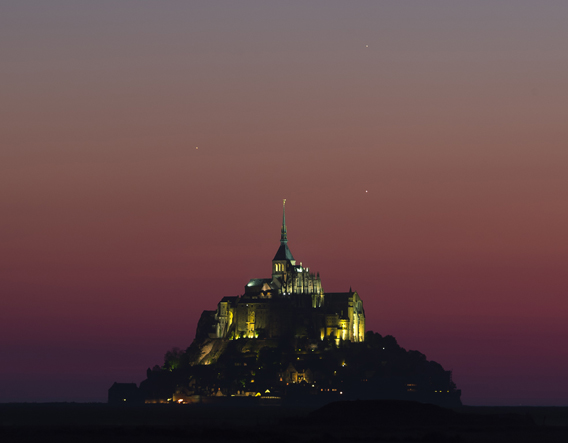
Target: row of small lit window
330	390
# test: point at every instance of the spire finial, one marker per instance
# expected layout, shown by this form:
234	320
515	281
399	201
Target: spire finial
283	234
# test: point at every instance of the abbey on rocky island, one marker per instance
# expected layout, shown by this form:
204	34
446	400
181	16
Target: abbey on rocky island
286	339
292	303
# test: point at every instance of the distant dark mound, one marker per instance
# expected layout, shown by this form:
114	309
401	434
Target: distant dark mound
384	413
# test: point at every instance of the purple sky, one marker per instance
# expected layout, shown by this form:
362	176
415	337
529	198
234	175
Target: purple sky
116	232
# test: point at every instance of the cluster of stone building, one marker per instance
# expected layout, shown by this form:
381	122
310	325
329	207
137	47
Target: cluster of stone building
289	308
290	303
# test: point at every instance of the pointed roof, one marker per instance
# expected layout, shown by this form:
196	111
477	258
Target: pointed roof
283	252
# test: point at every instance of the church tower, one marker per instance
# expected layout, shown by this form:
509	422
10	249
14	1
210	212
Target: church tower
290	301
288	278
283	262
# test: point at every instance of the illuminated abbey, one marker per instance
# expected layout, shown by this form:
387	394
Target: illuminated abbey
290	303
286	339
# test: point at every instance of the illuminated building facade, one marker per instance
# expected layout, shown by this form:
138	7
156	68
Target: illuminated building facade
290	303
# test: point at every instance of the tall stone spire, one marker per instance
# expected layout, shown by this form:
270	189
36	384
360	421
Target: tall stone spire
283	252
283	234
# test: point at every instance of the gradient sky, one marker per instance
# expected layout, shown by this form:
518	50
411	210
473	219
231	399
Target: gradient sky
116	232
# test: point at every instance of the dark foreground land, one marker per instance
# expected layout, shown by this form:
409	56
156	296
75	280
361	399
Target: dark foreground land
357	421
